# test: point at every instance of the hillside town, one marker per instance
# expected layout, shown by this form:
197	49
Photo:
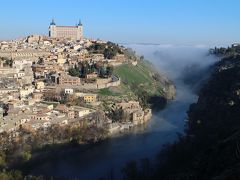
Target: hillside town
55	80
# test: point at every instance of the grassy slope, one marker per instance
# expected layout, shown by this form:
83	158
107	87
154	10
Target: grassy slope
133	74
139	76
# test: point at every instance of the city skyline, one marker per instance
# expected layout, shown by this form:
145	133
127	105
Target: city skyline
160	22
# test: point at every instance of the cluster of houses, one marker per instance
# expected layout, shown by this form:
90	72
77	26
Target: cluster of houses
132	115
34	117
32	66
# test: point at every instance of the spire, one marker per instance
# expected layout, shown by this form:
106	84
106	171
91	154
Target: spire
52	23
79	23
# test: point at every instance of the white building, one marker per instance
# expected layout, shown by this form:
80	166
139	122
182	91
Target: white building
20	64
25	92
81	111
68	91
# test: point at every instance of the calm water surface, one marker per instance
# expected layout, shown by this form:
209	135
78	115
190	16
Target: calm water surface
145	141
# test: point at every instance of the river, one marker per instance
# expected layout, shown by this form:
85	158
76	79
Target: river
110	156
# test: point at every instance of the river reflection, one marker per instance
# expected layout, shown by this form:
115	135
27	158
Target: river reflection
111	155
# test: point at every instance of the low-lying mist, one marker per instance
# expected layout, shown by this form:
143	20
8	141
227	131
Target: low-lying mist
186	66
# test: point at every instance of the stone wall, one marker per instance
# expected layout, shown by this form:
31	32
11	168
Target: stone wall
102	83
111	83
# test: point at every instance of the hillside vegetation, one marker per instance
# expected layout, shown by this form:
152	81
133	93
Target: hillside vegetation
140	76
210	149
141	82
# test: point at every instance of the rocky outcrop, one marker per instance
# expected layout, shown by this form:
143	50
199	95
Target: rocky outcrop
170	90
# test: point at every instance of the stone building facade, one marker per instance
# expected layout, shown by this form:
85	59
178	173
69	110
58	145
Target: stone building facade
72	32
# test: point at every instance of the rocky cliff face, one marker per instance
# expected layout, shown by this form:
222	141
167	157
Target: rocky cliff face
170	91
211	147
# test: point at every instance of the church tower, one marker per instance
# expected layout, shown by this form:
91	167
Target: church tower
52	28
80	30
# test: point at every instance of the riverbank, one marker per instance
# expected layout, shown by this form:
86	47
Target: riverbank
210	147
54	152
38	145
110	156
111	153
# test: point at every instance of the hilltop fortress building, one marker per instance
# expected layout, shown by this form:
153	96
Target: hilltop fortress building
72	32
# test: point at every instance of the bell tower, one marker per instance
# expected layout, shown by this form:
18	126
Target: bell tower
52	28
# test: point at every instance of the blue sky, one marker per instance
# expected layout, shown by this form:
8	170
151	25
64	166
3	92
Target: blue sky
210	22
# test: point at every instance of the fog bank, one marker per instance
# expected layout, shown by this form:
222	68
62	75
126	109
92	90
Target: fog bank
186	66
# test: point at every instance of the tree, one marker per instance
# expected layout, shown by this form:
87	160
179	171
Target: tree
109	71
91	67
109	53
87	68
84	70
11	175
26	155
8	62
117	114
102	71
2	159
54	132
142	95
74	71
40	61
